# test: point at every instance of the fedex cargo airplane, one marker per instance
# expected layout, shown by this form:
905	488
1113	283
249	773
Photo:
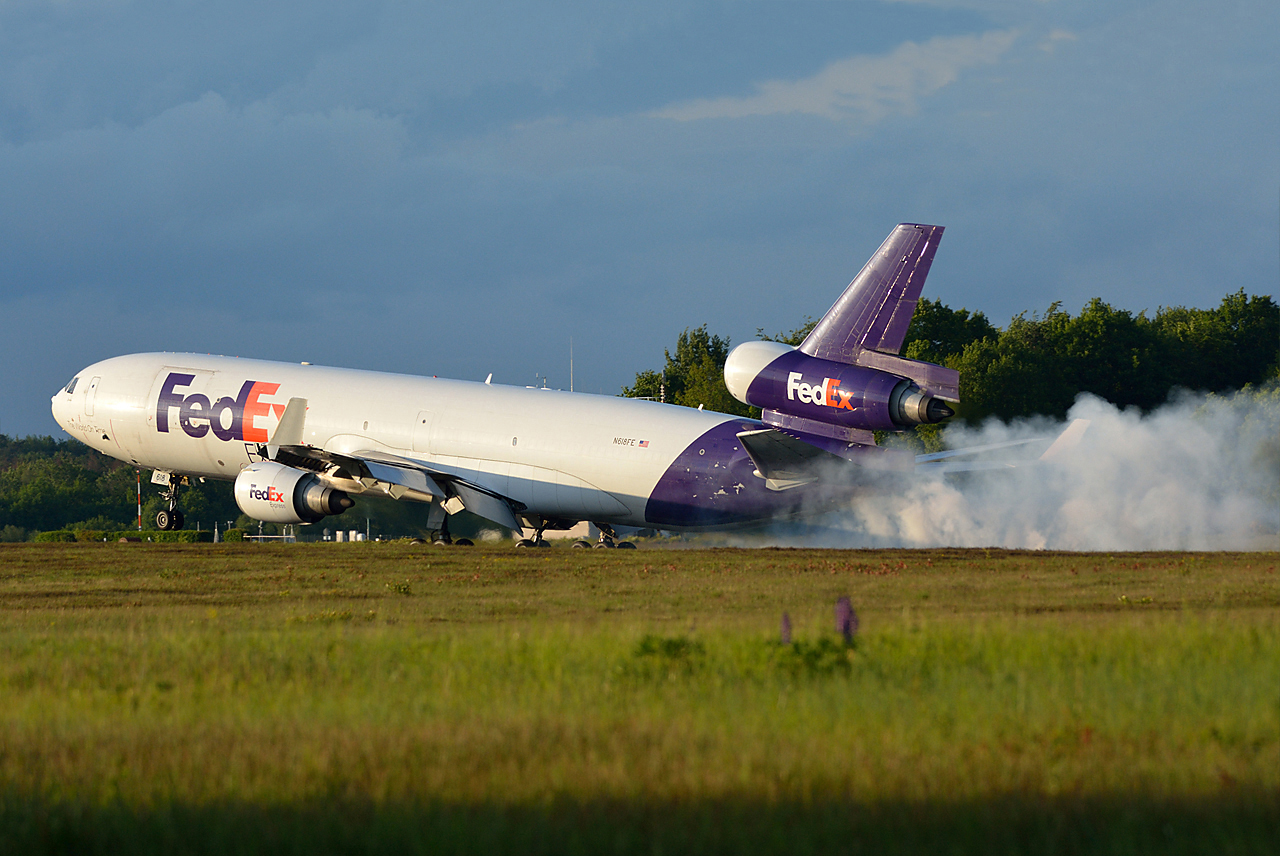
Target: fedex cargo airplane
300	441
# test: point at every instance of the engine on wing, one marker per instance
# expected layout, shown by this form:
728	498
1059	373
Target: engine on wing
278	494
781	379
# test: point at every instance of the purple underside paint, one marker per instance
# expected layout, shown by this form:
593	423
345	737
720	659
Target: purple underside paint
713	483
710	483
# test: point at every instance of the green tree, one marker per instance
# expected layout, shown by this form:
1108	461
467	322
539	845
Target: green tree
1222	348
692	376
938	332
794	337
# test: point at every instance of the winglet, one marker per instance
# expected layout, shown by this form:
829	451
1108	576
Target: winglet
875	310
1067	440
289	431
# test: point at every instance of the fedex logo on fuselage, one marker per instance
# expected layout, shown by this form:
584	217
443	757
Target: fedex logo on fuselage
197	415
270	494
828	393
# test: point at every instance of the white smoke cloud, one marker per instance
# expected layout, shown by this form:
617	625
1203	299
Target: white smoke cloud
1197	474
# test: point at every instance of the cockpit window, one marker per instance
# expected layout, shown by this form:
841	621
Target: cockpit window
71	387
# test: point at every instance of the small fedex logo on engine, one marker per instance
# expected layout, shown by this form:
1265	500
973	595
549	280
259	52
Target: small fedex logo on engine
270	494
826	394
228	418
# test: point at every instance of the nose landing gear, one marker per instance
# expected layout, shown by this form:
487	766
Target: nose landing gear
171	519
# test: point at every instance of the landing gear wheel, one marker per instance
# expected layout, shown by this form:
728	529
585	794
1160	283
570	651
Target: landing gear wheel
442	537
463	542
580	545
171	518
607	536
626	545
537	540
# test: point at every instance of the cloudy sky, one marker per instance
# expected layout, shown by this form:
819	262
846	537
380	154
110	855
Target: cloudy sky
464	188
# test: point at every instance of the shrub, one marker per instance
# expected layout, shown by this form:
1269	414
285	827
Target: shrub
56	535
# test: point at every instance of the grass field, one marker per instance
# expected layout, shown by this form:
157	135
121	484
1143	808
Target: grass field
389	698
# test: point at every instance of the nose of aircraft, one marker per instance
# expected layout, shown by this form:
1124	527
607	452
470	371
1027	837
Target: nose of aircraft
58	404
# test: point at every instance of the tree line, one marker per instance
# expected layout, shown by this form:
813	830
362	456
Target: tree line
50	484
1036	364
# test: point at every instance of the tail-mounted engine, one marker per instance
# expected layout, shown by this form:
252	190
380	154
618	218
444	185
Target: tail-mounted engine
814	392
847	377
278	494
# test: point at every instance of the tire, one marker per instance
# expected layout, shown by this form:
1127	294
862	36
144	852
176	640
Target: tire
440	542
163	520
524	543
580	545
626	545
463	542
542	543
601	545
178	520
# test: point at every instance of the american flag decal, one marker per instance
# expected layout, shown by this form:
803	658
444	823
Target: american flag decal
644	443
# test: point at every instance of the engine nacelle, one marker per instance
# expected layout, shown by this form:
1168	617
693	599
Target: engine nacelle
777	377
278	494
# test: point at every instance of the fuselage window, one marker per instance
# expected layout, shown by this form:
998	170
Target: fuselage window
71	387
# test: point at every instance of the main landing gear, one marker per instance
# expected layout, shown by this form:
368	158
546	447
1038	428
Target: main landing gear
537	540
170	519
608	540
443	539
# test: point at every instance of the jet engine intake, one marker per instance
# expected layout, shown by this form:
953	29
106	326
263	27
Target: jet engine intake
275	493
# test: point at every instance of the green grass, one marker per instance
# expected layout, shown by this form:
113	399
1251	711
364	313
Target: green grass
388	698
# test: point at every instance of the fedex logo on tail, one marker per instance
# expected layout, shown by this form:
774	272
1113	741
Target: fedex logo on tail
827	394
197	415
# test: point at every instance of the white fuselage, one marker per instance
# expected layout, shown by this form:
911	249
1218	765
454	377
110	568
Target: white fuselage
563	455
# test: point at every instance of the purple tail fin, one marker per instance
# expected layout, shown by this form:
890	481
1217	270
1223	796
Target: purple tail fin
875	310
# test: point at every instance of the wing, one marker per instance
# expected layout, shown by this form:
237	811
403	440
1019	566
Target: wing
379	473
943	462
384	474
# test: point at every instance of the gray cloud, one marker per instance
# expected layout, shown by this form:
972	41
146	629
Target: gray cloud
462	190
861	90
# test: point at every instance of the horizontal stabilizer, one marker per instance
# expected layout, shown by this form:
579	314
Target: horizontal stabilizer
779	457
789	458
